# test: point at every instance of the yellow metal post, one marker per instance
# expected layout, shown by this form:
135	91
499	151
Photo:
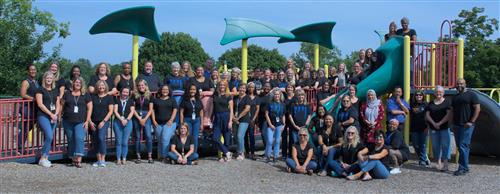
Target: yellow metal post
406	86
135	56
244	58
326	71
316	56
460	59
433	84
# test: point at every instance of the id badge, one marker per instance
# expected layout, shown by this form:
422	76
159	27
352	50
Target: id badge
193	116
277	119
75	109
140	114
52	107
123	117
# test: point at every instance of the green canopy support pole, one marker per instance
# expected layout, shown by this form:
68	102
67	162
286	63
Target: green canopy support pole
316	56
135	56
244	60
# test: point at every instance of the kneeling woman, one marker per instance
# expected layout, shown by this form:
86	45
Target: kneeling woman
302	154
373	160
124	110
182	147
77	111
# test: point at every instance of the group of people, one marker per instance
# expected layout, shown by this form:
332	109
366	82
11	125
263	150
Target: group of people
348	141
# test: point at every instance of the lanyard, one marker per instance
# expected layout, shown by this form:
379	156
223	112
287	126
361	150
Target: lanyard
142	98
124	104
76	100
193	104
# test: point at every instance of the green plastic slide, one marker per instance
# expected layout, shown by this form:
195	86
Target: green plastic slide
389	75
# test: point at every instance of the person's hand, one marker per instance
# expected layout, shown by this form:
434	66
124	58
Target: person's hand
53	117
272	127
230	125
124	122
86	125
325	150
179	160
169	123
468	125
345	166
101	124
184	160
436	125
297	127
236	121
155	124
398	100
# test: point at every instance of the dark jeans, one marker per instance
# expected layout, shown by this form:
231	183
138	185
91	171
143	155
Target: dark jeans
221	129
28	121
419	141
324	160
147	134
99	138
463	137
250	140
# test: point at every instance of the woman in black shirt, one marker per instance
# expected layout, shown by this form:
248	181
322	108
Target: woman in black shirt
191	112
29	86
124	111
438	114
373	160
102	72
347	115
317	125
302	155
124	80
164	114
348	152
75	72
77	111
241	117
252	114
324	93
223	119
101	114
47	101
201	82
58	79
142	119
329	141
300	114
275	117
287	139
418	128
182	148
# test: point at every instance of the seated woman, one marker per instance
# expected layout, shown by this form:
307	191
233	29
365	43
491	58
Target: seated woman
329	141
182	147
302	155
398	150
348	152
317	125
373	160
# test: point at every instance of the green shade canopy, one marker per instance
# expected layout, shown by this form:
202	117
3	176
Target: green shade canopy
317	33
136	21
244	28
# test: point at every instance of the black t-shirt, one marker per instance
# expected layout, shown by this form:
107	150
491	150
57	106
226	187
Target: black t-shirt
273	83
60	83
253	106
332	79
356	79
289	102
463	107
152	79
182	148
322	95
344	115
395	140
264	100
75	107
276	111
221	103
410	33
95	78
302	153
322	81
385	160
305	82
318	123
350	154
418	118
281	84
205	85
299	113
32	87
124	106
142	102
163	109
175	82
100	107
239	105
438	112
125	83
333	137
188	105
49	98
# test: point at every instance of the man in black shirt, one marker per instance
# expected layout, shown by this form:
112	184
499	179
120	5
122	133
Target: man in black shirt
151	78
466	109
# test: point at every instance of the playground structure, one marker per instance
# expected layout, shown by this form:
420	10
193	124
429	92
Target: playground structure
433	63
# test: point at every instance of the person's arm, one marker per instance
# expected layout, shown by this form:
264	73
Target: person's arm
378	156
117	79
322	102
392	107
257	109
477	110
174	150
24	90
110	112
132	112
268	120
362	115
172	117
113	91
294	156
89	114
153	119
446	118
149	112
309	116
91	89
404	107
201	119
429	119
231	114
310	154
244	112
290	118
340	141
191	151
181	114
362	154
381	114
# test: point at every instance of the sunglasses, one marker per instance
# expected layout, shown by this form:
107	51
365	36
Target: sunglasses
350	133
345	101
419	95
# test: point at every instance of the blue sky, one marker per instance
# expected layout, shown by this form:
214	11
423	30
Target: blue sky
204	20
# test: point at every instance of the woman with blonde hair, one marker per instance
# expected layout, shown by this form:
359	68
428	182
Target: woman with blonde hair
275	118
187	70
47	100
300	114
302	155
223	119
101	115
142	119
348	151
57	78
102	72
182	150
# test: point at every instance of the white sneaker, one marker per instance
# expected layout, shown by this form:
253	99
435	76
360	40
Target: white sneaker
95	164
395	171
240	157
102	164
45	163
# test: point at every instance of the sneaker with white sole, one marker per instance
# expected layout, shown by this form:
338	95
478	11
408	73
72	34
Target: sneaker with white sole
45	163
96	164
102	164
240	157
395	171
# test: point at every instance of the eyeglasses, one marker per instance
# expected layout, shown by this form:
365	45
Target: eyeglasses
419	95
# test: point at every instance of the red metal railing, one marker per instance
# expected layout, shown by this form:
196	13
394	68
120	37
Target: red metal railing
445	64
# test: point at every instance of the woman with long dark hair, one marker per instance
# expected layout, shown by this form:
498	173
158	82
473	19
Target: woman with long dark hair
124	111
253	114
29	86
163	118
191	112
241	118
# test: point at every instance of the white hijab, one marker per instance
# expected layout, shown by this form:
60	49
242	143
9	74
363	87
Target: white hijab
371	111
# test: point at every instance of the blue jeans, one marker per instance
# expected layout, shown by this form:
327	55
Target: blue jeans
75	134
376	169
250	140
242	130
163	134
441	144
292	165
122	134
324	160
463	137
147	134
337	167
419	141
48	130
194	156
221	122
295	136
27	114
276	136
194	129
178	100
99	138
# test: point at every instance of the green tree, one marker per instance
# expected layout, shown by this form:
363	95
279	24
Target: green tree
257	57
23	31
173	47
326	55
481	54
350	59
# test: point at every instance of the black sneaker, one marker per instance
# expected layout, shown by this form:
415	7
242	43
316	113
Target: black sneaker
460	172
